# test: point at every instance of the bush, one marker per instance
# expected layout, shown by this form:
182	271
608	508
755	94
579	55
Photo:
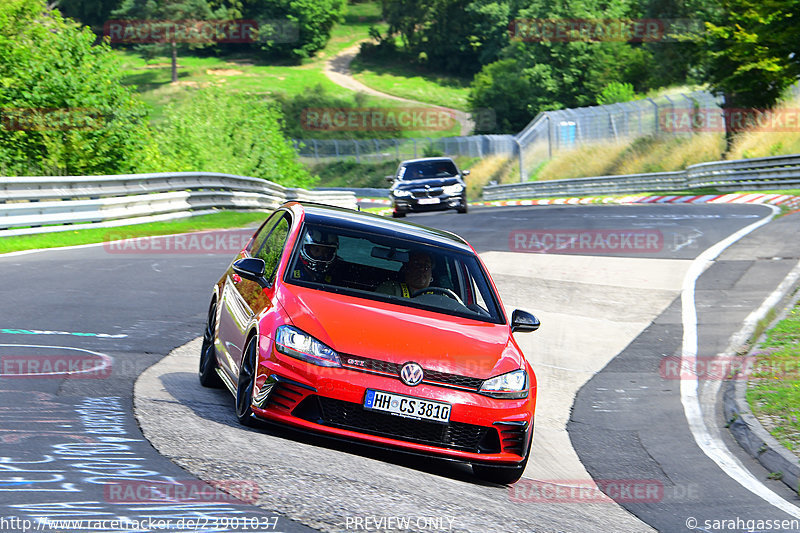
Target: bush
311	115
64	108
616	92
232	133
313	21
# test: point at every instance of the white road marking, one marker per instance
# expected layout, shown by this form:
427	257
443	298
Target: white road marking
715	449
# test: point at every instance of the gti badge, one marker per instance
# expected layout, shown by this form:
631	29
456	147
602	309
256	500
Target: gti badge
411	374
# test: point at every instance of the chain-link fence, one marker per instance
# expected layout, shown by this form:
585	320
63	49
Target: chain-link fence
546	134
375	150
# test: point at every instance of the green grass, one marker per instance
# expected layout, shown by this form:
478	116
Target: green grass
407	81
773	390
248	73
221	220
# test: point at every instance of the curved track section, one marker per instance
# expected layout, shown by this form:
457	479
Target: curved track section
599	290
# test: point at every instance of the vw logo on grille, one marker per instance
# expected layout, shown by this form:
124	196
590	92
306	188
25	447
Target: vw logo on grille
411	374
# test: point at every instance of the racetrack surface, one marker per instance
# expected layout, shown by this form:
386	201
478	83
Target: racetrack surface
593	303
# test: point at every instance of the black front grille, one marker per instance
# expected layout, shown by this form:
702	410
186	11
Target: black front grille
430	193
456	435
431	376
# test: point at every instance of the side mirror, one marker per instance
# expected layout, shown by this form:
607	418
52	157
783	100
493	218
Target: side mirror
390	179
523	321
252	268
465	172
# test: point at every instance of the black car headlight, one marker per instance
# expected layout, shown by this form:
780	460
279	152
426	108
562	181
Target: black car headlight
512	385
399	193
300	345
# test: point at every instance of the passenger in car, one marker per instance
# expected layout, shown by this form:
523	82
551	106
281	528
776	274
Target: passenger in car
415	275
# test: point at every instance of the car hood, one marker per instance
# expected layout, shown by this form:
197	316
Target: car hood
398	334
421	183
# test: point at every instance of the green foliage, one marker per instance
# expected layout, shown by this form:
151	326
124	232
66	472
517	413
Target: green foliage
304	112
616	92
232	133
454	36
313	20
348	173
92	13
64	109
162	17
752	52
537	75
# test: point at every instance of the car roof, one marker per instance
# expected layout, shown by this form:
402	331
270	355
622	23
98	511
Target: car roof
371	223
426	159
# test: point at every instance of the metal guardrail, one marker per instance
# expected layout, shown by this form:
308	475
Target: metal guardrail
778	172
30	205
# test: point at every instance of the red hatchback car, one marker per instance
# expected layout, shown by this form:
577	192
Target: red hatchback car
385	332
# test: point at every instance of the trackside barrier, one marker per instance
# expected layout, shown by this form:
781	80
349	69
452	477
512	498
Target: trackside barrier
30	205
778	172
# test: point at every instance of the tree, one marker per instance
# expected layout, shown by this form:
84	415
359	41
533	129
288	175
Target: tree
92	13
752	54
456	36
63	106
538	73
172	24
294	28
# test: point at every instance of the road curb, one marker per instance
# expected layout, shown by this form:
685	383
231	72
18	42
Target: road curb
746	428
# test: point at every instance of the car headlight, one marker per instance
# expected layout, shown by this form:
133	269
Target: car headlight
295	343
401	193
513	385
453	190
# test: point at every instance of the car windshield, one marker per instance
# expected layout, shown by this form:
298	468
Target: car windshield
428	170
396	270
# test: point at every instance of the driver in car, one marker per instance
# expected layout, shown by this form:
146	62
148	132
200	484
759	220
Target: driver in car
318	259
416	275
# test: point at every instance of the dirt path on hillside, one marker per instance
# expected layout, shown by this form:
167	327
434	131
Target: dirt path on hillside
338	71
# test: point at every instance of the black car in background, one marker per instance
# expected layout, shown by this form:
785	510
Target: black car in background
428	184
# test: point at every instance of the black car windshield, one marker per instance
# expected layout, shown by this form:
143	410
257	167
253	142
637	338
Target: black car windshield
428	170
396	270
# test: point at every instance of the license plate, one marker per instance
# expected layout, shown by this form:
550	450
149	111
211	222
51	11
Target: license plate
407	406
428	201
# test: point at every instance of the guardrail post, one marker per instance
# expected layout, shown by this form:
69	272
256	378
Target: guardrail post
655	115
519	158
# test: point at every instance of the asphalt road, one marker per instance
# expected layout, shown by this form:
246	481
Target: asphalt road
113	313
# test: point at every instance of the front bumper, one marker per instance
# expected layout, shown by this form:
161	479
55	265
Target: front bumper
407	204
330	401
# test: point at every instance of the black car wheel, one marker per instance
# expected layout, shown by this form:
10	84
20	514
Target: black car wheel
208	355
244	388
463	208
502	475
398	214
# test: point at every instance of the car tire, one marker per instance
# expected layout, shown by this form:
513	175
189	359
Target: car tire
244	387
397	214
208	354
502	475
464	207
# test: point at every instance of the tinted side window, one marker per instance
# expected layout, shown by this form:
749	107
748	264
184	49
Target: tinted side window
272	248
263	232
